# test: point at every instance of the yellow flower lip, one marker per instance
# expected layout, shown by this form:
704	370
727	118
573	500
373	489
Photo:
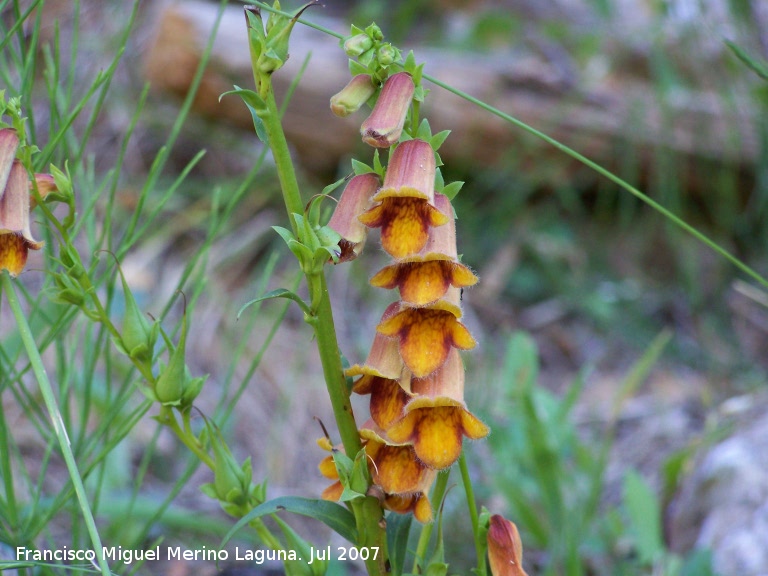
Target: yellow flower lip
425	277
436	419
385	124
404	223
426	335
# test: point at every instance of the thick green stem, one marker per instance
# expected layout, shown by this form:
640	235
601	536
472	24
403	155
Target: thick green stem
282	155
470	493
368	511
53	411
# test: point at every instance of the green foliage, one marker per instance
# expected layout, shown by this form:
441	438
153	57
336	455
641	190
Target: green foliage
87	411
552	477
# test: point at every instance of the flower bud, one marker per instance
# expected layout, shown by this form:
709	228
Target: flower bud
355	200
352	96
356	45
385	124
505	550
138	337
45	185
386	54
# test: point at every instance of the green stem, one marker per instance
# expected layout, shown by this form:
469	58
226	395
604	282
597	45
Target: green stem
53	411
283	162
368	512
472	504
168	418
438	493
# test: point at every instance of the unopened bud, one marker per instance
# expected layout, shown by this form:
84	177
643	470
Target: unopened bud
386	55
357	44
353	95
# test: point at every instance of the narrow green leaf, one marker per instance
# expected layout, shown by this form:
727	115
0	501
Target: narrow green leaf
644	516
278	293
759	68
398	529
256	106
336	517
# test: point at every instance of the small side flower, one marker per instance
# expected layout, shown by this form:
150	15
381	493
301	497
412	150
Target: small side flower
505	550
354	200
15	234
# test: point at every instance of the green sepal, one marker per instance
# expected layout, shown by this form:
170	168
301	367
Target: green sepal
64	193
279	293
231	481
452	189
70	259
68	291
367	58
437	140
137	336
356	68
175	386
331	187
354	475
436	569
361	167
302	253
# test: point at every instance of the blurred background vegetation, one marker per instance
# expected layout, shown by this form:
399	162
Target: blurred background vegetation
586	281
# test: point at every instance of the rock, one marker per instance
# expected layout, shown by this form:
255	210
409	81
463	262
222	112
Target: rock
723	504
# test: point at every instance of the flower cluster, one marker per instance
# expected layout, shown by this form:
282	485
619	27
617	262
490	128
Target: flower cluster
414	373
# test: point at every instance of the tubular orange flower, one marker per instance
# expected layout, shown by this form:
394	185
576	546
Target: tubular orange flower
403	478
426	335
354	200
395	469
426	277
405	503
404	224
436	418
385	124
384	376
388	399
407	209
15	235
505	550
